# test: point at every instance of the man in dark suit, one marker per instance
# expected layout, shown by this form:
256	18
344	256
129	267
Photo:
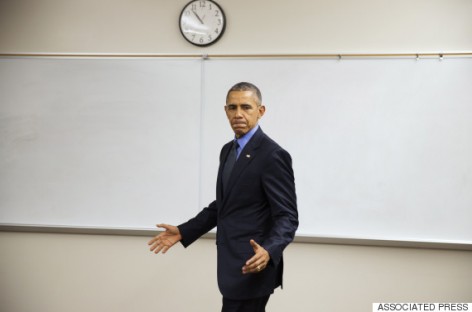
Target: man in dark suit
255	210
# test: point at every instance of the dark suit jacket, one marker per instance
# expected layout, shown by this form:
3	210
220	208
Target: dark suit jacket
259	203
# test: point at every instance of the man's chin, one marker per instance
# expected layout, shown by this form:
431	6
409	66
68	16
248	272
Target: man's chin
239	132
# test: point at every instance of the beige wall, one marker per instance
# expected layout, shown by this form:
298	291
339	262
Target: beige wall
60	272
263	26
96	273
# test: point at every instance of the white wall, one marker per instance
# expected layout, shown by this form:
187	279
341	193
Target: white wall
59	272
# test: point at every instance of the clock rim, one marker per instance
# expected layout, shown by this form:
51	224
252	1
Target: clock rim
221	32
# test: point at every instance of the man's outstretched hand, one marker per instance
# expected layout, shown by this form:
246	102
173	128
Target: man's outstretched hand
259	261
165	240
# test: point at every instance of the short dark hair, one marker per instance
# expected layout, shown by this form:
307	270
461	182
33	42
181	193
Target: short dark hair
246	86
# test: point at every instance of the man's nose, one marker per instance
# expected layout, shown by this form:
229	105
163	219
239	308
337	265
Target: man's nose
239	112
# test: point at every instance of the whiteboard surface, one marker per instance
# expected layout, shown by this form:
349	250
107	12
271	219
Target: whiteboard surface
99	142
381	148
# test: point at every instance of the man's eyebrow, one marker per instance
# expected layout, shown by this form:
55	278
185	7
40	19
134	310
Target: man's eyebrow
239	104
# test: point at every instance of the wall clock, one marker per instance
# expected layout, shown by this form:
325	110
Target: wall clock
202	23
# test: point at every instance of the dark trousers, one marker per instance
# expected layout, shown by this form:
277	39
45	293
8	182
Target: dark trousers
251	305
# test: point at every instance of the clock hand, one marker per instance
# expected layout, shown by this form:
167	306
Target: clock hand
198	17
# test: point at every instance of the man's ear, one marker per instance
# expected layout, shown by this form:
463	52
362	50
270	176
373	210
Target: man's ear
261	111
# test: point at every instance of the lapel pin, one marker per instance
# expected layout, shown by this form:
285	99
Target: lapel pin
248	156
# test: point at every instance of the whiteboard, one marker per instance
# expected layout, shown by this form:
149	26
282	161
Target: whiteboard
99	142
381	148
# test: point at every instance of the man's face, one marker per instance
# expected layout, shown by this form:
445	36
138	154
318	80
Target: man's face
243	111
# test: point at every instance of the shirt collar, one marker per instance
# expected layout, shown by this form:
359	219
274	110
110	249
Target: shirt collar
242	141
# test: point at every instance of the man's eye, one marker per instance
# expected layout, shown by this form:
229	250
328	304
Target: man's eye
235	107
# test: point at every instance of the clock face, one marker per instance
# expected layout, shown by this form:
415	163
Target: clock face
202	22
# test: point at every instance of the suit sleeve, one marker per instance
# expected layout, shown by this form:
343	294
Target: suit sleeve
199	225
279	186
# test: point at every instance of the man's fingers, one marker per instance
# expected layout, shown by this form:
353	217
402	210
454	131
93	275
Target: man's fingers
252	260
160	243
255	267
254	245
159	246
158	249
154	239
164	250
163	226
256	259
169	229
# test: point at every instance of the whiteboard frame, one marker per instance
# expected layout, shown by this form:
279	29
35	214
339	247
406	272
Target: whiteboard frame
349	241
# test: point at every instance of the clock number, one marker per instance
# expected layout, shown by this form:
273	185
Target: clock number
193	37
217	13
194	6
201	40
210	7
219	21
187	13
202	4
209	37
217	31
